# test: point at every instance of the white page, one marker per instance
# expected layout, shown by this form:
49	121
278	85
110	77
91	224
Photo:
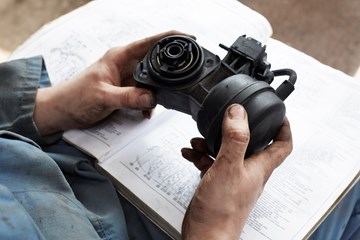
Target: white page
74	41
113	133
326	158
153	168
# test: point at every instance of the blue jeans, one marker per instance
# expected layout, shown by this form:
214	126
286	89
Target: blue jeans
344	221
56	193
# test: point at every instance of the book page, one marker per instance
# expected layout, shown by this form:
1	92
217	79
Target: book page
113	133
326	159
74	41
154	170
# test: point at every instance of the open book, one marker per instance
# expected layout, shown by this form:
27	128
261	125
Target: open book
142	156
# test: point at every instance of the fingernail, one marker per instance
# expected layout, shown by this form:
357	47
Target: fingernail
147	100
236	112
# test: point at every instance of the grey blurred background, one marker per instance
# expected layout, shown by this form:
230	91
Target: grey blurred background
328	30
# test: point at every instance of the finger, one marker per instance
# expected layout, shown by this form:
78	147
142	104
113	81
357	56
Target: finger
128	80
130	97
137	49
199	144
201	161
271	157
134	52
235	133
281	147
285	132
147	113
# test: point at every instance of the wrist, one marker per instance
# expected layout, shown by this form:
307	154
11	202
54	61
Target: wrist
47	116
217	230
202	225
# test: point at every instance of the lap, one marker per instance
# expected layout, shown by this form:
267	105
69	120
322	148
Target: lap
58	186
344	221
31	179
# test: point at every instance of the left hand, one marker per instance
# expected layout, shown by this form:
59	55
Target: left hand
231	184
91	96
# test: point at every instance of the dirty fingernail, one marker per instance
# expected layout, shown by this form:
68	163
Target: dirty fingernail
147	100
236	112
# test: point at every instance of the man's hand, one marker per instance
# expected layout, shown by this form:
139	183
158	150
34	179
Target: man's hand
230	185
105	86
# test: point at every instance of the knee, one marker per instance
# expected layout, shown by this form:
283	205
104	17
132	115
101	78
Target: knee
23	165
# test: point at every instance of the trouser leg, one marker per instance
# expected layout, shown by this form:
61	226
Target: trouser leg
344	221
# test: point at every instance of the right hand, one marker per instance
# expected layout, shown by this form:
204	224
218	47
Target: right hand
230	185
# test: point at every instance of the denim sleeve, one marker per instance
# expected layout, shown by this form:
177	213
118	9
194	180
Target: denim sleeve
19	81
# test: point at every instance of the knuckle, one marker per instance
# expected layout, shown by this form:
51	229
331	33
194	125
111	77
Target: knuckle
224	158
113	51
172	32
126	99
237	135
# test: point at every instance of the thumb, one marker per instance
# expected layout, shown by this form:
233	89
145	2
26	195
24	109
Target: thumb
236	133
131	97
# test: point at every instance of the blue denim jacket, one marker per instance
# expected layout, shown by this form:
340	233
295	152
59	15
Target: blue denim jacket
19	81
